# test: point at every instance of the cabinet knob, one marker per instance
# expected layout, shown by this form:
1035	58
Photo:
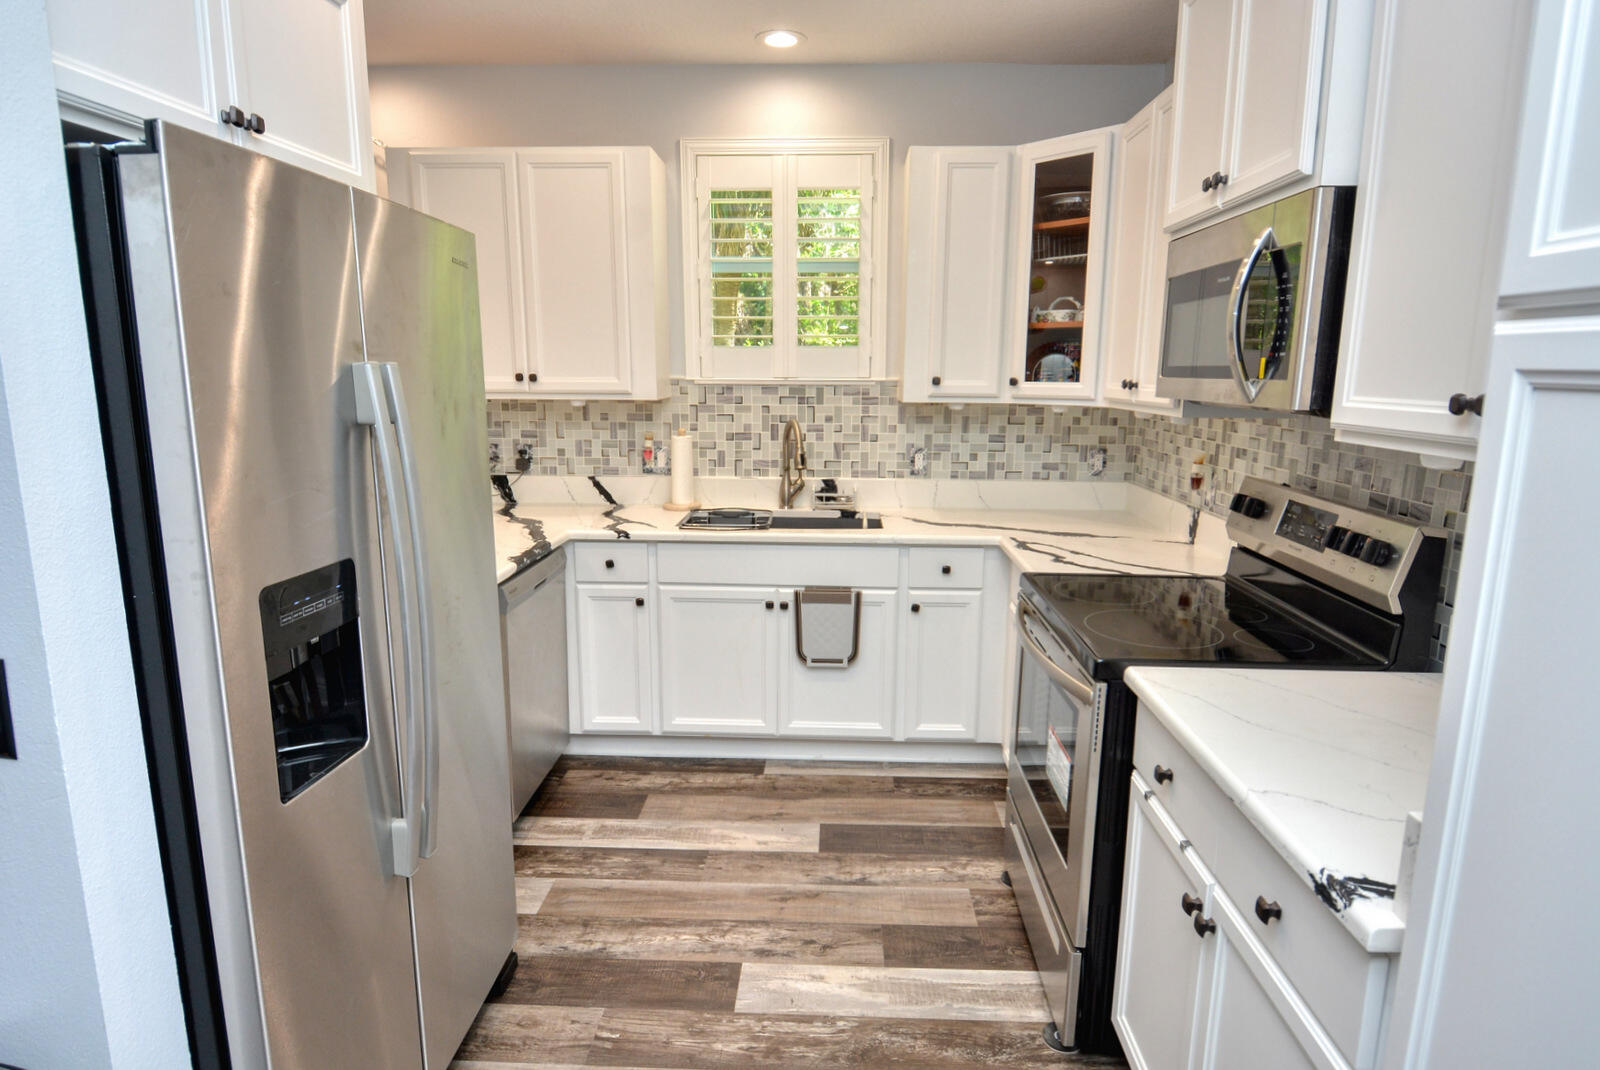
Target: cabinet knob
533	377
784	606
255	124
1268	909
610	563
945	569
771	605
638	601
1460	403
1219	180
1013	380
520	377
916	607
1203	926
232	115
1191	903
1133	384
1162	774
1205	184
937	380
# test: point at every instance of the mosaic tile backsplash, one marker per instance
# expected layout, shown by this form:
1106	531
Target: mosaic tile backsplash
862	431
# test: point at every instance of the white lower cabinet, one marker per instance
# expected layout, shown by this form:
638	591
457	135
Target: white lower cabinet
611	635
1246	1023
944	644
857	701
719	649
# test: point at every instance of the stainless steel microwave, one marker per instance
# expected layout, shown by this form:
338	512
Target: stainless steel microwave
1253	305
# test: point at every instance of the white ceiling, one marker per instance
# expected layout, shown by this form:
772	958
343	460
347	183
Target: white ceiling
724	31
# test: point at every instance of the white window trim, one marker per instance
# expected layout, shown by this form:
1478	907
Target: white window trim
875	266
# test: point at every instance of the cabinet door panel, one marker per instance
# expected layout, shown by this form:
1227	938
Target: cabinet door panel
1276	92
956	269
1204	54
1130	253
615	691
575	270
1246	1031
154	60
719	660
303	68
1153	315
856	701
477	192
1158	953
944	637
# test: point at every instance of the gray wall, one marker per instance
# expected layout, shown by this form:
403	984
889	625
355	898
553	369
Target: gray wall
87	977
911	104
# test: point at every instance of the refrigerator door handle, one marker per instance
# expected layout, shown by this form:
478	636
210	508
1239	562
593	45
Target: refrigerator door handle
430	712
373	410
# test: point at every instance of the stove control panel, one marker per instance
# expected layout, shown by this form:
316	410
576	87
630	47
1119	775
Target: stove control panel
1367	555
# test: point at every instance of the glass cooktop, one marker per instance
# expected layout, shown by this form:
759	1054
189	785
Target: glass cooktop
1111	622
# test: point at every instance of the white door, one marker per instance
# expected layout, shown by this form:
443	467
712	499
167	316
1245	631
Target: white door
1158	952
1200	108
719	651
302	67
957	262
944	636
1276	92
1058	261
575	270
615	681
1417	332
477	191
155	60
1555	220
856	701
1252	1021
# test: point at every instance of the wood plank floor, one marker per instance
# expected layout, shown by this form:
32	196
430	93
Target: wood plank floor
732	914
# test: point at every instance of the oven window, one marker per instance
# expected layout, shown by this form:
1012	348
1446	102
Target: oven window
1046	747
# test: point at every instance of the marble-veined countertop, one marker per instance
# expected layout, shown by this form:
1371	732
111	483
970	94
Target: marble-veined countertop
1325	764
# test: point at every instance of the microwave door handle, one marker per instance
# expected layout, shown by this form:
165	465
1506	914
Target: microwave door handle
372	410
1241	289
1082	690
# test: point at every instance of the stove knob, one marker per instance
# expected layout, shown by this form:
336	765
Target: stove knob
1334	539
1254	508
1354	544
1377	552
1237	504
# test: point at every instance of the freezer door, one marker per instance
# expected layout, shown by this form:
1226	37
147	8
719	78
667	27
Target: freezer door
255	276
419	305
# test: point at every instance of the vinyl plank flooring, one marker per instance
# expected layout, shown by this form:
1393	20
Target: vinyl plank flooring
784	767
668	765
564	802
911	839
777	1042
530	893
856	868
526	1035
760	902
970	787
707	941
703	783
869	810
865	991
721	835
590	981
988	946
617	863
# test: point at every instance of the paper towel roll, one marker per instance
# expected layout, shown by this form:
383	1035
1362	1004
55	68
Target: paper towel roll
682	469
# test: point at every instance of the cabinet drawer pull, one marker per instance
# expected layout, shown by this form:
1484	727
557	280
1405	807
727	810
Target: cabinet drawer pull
1203	926
1162	774
638	601
770	605
945	569
610	563
1267	909
1463	403
255	124
916	607
1191	903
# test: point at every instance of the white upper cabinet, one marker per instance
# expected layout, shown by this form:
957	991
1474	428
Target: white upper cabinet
1269	95
293	77
1136	288
1057	309
1553	252
958	258
1425	250
572	262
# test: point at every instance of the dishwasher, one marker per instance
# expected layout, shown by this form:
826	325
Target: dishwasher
533	646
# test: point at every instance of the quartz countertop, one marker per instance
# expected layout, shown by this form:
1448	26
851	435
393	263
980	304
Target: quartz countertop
1111	528
1326	764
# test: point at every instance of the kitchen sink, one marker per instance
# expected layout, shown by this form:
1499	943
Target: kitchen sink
781	520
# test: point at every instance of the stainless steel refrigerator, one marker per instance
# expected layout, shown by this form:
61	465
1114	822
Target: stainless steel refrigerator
291	381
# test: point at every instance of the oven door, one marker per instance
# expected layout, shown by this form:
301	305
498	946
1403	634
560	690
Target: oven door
1055	767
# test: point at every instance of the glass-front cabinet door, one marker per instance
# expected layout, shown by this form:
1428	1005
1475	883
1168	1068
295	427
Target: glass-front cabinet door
1062	217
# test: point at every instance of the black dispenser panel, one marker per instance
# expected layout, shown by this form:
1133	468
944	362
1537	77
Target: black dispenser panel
314	676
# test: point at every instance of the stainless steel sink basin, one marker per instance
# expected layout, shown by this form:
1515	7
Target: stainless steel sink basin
781	520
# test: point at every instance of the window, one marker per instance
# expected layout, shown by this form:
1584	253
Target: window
782	258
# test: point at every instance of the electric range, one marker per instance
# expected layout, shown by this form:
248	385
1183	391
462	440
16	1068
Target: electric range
1311	584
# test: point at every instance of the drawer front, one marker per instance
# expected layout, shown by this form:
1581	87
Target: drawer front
1340	981
1184	790
611	563
947	566
779	566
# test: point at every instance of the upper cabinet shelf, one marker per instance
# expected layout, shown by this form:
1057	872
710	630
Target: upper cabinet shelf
1056	226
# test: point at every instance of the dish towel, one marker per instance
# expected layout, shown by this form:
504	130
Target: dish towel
827	626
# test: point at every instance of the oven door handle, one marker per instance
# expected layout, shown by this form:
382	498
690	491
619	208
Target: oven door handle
1241	288
1080	689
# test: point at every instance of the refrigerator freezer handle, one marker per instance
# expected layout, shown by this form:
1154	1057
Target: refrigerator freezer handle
373	411
430	707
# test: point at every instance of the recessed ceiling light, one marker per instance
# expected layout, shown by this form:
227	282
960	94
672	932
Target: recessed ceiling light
780	38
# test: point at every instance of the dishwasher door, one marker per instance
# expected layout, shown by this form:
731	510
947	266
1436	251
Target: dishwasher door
533	642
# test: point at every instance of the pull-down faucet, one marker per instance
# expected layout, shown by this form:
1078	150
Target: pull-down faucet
793	479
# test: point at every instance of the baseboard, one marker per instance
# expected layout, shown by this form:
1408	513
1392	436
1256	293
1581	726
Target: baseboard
788	749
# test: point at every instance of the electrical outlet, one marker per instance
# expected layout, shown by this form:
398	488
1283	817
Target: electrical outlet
524	458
